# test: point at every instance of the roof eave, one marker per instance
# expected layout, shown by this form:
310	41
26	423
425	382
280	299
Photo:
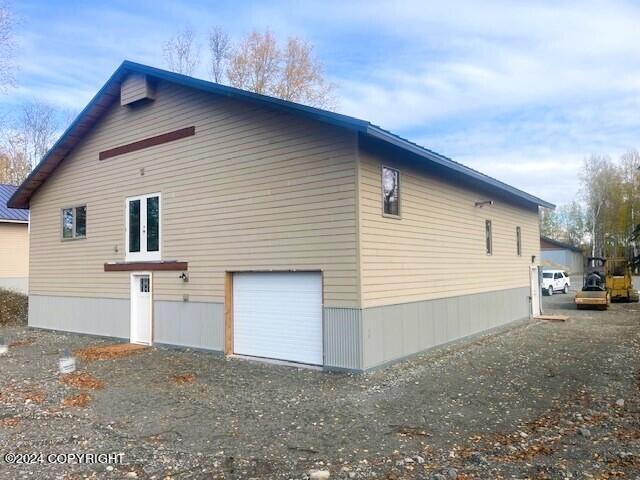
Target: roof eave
7	220
22	196
448	163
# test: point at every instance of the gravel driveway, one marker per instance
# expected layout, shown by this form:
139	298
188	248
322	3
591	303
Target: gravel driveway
535	400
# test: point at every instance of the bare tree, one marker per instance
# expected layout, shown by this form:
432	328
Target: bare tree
38	127
13	169
219	48
28	140
181	53
7	46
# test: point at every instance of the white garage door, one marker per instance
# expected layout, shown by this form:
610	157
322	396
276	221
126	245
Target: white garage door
278	315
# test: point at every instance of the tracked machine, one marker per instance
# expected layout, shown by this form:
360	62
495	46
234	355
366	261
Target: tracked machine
594	294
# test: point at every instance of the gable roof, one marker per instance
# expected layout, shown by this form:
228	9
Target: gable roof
11	214
111	92
559	244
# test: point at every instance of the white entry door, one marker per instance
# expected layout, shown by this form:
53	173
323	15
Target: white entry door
141	308
535	290
278	315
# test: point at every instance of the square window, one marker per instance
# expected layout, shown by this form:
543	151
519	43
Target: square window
74	222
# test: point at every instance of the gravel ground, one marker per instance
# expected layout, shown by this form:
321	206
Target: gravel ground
540	400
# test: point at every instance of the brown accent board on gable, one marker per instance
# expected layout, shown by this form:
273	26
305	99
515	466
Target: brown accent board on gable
145	266
148	142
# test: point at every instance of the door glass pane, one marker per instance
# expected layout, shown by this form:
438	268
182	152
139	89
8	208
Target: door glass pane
144	284
134	225
81	221
153	224
67	223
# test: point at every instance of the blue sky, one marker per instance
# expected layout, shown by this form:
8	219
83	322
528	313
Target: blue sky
522	91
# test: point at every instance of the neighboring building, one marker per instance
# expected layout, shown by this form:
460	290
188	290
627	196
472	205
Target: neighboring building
178	211
14	243
562	256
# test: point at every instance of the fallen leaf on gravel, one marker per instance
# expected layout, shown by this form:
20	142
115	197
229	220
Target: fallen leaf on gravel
108	352
184	378
80	400
35	396
9	422
82	380
22	343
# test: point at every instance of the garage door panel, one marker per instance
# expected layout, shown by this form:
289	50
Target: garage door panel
278	315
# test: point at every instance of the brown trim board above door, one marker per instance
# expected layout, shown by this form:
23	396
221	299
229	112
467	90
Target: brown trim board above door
146	266
148	142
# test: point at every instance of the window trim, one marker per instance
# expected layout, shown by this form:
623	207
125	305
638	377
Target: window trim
142	256
488	237
385	214
519	240
73	225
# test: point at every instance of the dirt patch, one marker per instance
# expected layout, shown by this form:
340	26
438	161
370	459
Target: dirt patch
107	352
80	400
184	378
22	343
13	308
82	380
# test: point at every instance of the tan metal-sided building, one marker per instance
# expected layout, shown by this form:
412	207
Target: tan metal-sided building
178	211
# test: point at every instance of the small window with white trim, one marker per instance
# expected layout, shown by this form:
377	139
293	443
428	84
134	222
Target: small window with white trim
519	241
143	233
488	234
74	222
390	191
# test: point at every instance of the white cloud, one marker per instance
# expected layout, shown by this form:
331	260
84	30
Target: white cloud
522	91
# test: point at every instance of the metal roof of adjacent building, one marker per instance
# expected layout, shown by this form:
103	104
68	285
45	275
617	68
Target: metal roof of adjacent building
111	90
559	244
7	214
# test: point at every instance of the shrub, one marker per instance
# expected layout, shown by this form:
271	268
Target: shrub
13	308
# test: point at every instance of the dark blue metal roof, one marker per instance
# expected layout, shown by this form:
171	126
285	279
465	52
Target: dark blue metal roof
110	92
10	214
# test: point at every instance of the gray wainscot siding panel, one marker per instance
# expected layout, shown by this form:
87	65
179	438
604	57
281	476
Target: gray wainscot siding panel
94	316
189	324
393	332
343	338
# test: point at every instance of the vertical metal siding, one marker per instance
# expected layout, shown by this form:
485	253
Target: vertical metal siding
392	332
189	324
568	260
94	316
343	338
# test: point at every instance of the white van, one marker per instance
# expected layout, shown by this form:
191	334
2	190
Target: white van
555	281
